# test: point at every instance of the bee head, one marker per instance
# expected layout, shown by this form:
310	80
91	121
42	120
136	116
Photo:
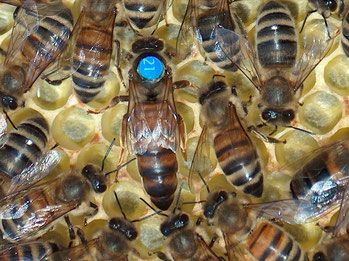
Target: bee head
331	5
214	200
174	223
278	116
125	227
8	102
319	256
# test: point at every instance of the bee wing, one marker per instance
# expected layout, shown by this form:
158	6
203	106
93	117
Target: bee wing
314	51
185	35
343	215
200	166
225	47
3	127
292	211
36	171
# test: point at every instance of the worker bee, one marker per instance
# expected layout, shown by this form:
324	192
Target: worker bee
41	32
30	251
30	212
275	69
234	149
90	51
201	18
24	156
333	249
145	16
246	234
152	128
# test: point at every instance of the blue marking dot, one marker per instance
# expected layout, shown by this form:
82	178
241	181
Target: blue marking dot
150	68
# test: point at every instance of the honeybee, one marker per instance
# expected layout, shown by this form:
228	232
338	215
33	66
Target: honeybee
152	128
248	237
30	251
334	249
234	149
30	212
41	32
275	69
145	16
183	242
24	156
201	18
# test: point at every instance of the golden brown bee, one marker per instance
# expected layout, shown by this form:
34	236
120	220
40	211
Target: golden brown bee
30	212
335	249
183	242
41	32
201	18
31	251
248	237
92	48
275	69
144	16
152	128
234	149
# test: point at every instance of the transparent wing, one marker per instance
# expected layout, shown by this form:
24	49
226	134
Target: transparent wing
226	42
36	171
343	215
314	51
292	211
185	36
201	165
3	127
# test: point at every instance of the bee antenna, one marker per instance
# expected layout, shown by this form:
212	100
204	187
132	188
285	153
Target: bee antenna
107	153
119	167
299	129
9	119
155	211
117	200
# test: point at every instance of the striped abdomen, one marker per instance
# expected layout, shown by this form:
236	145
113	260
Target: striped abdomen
159	173
144	14
28	252
46	42
206	23
268	242
345	34
276	38
24	146
92	54
239	161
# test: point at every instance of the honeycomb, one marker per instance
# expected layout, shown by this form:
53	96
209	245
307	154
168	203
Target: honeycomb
84	137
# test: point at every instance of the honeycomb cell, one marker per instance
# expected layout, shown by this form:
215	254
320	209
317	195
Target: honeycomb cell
59	234
110	89
309	83
276	186
169	34
245	10
129	194
320	112
20	115
132	170
73	128
187	115
111	122
336	74
342	133
299	144
94	154
217	182
6	17
178	8
52	97
94	227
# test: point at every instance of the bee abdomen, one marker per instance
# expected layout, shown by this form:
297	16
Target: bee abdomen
269	242
29	252
141	13
276	37
239	161
345	34
24	146
159	173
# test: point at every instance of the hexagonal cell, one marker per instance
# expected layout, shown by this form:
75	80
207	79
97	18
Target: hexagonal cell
336	74
110	89
128	193
6	17
73	128
187	115
299	144
178	9
94	227
320	112
95	153
276	186
217	182
52	97
111	122
169	33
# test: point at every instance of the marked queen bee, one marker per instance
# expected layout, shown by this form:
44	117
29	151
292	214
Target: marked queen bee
275	66
41	32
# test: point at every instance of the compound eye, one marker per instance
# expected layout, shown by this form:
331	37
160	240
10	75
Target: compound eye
150	68
269	115
332	5
288	115
9	102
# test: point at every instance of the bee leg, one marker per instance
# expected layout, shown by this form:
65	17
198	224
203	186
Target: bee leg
255	131
9	119
3	52
94	207
275	129
213	241
81	235
117	62
183	136
199	221
305	19
182	84
113	102
72	235
327	27
162	256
